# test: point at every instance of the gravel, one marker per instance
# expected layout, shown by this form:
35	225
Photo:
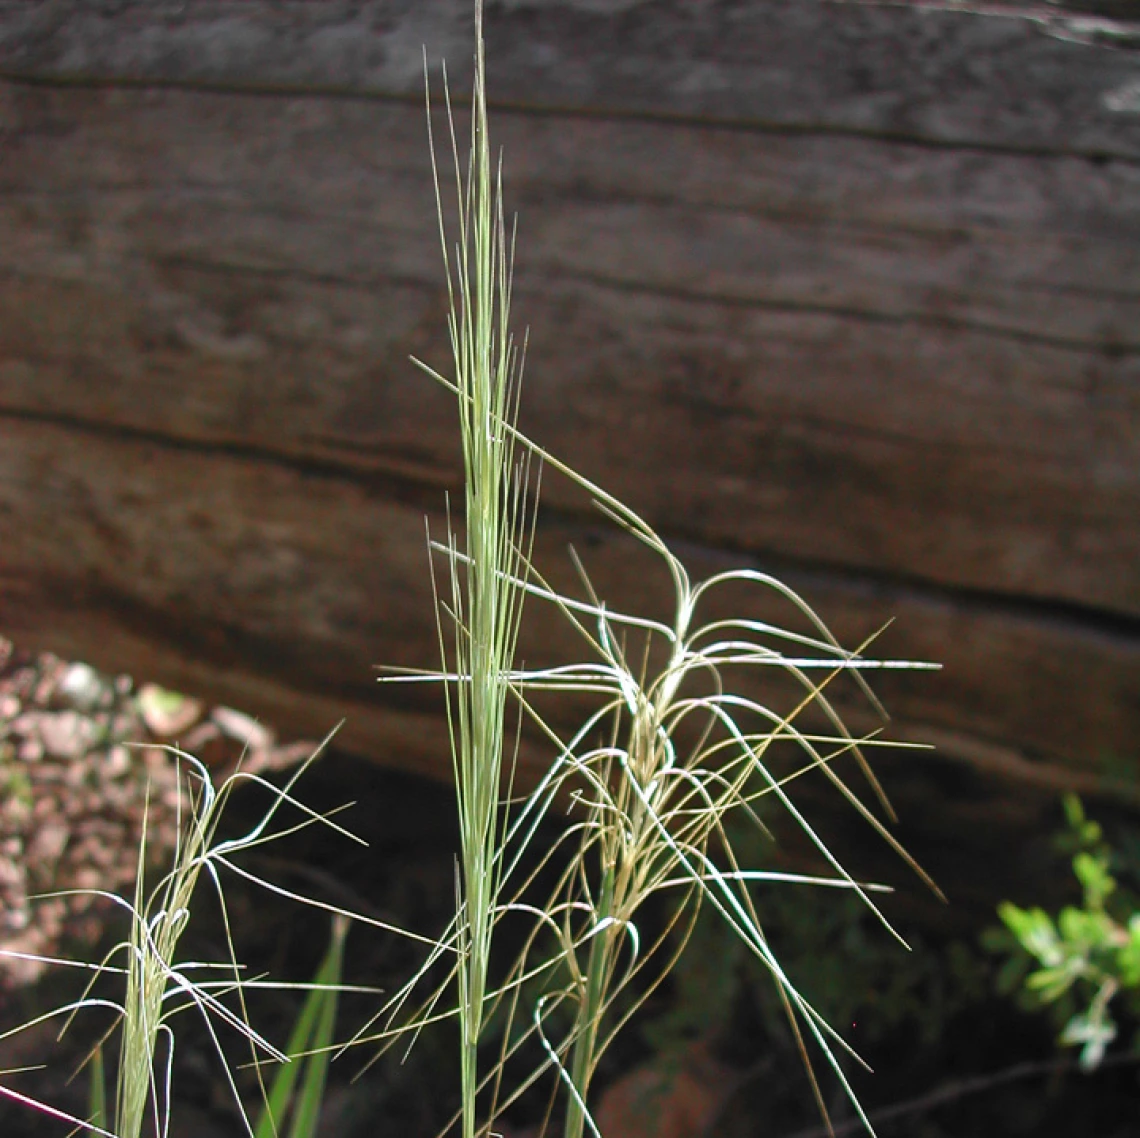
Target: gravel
83	756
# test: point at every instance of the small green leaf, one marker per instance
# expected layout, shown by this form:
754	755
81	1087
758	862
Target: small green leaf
1094	1031
1051	983
1128	955
1035	932
1084	932
1096	881
1074	811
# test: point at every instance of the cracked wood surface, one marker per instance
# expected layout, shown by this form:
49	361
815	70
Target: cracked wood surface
849	350
1025	76
225	574
851	290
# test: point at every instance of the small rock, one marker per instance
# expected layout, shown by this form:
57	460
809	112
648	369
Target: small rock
47	844
118	761
16	920
20	972
25	723
74	776
30	751
89	877
246	730
81	687
125	727
167	713
10	874
16	812
67	734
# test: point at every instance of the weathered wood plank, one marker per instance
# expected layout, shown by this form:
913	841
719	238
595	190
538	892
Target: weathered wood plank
1030	77
860	352
281	586
846	292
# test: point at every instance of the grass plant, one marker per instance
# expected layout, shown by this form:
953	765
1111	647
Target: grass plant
676	756
485	600
675	747
156	986
684	739
654	776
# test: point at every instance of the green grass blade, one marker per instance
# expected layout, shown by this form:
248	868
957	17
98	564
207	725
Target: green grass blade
311	1033
97	1096
307	1111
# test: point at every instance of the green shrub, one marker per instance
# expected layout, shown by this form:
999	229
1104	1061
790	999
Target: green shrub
1083	961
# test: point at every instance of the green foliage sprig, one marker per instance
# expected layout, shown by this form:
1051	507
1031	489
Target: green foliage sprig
1083	960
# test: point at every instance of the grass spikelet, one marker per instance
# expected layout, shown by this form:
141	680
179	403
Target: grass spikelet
484	598
678	750
679	745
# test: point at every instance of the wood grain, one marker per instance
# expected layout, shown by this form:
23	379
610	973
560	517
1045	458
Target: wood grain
1027	76
853	351
846	291
281	588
